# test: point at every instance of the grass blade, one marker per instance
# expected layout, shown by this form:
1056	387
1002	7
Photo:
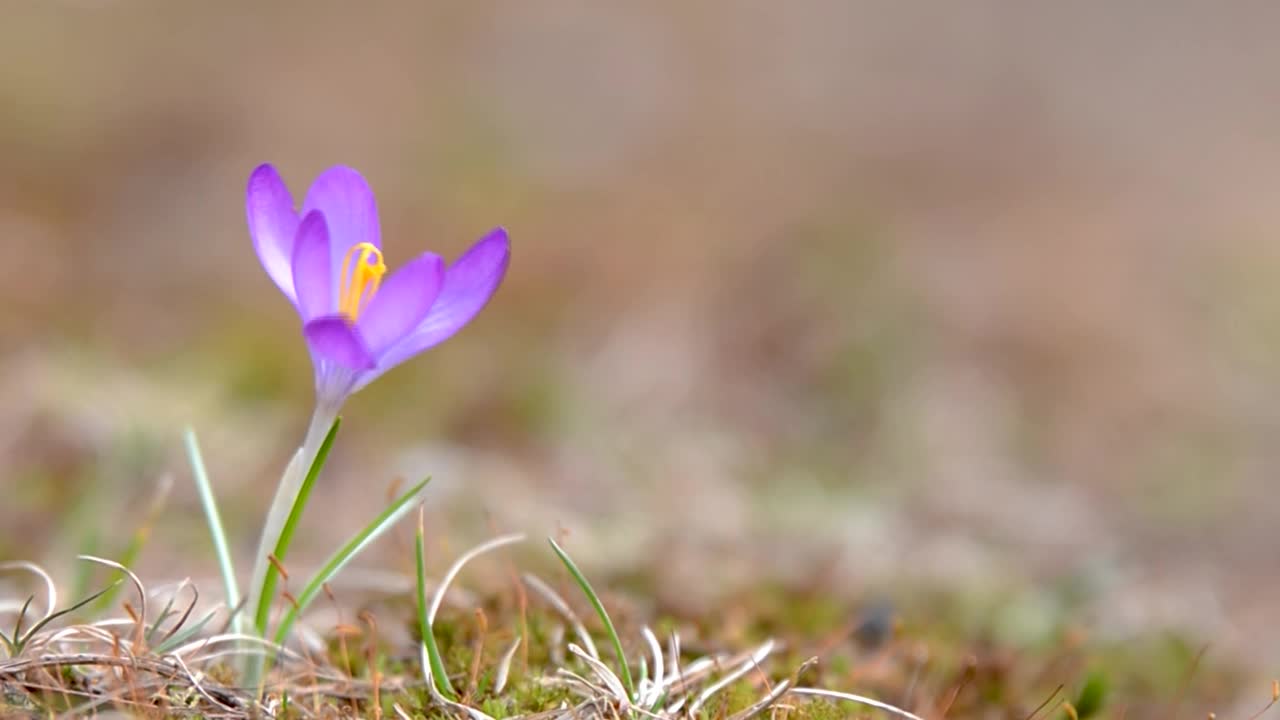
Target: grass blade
752	663
164	615
286	489
22	614
504	666
50	589
466	557
216	530
604	616
338	560
859	699
184	634
290	525
439	677
168	607
562	607
20	642
437	666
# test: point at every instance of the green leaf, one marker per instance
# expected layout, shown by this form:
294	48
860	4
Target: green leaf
291	525
183	635
604	616
19	642
22	614
438	674
216	530
164	615
344	555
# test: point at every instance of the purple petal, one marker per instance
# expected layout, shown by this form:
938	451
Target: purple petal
311	277
468	285
349	208
333	338
272	224
401	302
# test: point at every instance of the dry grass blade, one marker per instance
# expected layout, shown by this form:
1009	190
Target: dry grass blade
764	703
752	663
50	590
239	641
690	677
137	584
555	644
775	694
859	699
584	687
656	688
673	650
199	688
458	564
504	666
585	710
79	634
166	669
607	676
562	607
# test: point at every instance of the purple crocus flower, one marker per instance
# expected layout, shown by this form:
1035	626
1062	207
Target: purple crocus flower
358	320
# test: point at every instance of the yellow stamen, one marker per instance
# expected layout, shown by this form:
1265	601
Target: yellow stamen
359	280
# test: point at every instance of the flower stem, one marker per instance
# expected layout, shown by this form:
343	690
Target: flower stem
283	507
290	525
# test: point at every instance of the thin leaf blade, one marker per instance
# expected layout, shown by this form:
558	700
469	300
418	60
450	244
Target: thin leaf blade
290	526
587	590
435	662
379	525
216	530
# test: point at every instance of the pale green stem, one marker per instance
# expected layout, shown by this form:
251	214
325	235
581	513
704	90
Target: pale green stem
286	493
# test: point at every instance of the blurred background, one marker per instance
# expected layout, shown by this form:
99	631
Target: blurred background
875	295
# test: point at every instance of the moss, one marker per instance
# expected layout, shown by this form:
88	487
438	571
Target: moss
523	698
822	709
738	696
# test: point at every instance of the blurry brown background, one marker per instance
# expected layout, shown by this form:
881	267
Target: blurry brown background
978	294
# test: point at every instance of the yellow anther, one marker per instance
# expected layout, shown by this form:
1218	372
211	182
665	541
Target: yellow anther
362	271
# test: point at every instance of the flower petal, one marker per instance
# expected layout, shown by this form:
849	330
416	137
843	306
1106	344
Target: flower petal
349	208
333	338
272	224
312	280
402	302
468	285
